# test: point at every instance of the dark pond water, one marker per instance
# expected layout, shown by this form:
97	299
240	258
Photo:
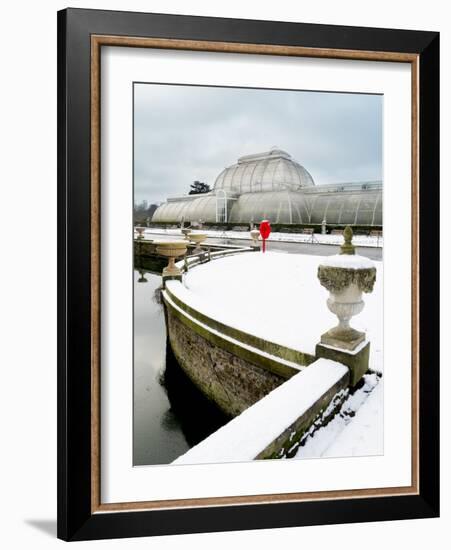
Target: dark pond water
169	414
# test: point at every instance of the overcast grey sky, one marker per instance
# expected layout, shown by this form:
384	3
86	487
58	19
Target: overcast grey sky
187	133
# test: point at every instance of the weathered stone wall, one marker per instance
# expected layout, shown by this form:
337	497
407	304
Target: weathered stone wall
278	424
276	357
287	444
232	382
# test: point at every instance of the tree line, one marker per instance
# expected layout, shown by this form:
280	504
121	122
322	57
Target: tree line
142	211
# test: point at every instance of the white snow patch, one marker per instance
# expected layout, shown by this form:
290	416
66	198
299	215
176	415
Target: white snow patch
348	261
244	437
357	430
364	435
348	351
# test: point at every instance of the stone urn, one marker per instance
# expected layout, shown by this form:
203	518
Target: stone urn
346	276
186	232
140	231
171	250
197	238
255	234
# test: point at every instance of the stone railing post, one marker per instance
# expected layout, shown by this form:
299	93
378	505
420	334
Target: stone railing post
346	276
255	234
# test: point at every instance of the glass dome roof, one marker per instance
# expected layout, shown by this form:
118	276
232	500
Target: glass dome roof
352	204
273	186
273	170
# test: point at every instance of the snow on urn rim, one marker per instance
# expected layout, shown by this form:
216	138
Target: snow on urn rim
347	269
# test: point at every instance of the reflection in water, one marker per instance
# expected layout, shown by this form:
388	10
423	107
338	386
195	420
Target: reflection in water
170	415
142	276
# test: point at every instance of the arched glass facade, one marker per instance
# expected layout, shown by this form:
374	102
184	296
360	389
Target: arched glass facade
197	208
354	204
275	206
273	186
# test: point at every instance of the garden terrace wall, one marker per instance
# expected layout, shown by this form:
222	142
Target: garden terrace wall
231	367
274	426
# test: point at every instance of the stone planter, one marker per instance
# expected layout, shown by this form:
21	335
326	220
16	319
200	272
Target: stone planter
345	305
186	232
197	239
346	276
171	250
140	231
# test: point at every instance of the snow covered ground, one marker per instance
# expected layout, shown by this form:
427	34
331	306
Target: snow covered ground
356	430
268	418
278	297
358	240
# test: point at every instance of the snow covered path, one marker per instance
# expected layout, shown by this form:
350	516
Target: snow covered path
363	436
357	430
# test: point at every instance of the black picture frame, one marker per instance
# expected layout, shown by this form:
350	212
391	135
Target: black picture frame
76	518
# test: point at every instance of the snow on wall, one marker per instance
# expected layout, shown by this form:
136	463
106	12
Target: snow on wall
348	261
356	430
277	297
364	435
244	437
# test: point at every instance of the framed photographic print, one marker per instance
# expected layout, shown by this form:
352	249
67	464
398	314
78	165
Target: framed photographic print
248	274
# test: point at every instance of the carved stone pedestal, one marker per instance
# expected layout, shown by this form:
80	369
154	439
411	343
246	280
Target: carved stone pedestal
357	361
346	277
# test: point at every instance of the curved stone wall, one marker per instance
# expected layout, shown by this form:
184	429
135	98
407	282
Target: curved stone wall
233	383
232	368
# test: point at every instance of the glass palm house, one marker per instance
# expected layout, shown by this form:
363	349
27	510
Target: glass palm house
273	186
